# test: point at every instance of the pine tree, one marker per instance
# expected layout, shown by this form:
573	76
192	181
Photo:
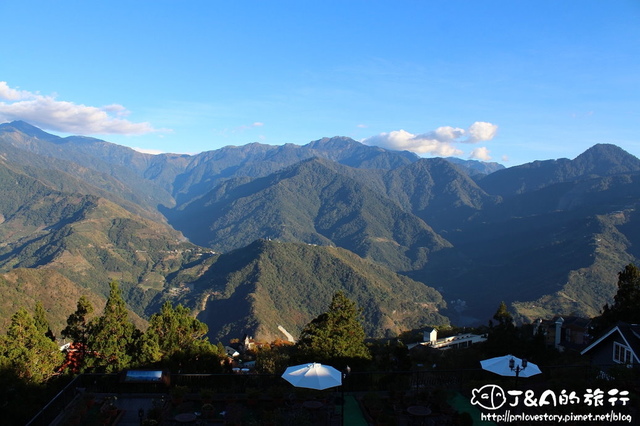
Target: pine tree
147	351
175	330
175	336
626	301
112	336
503	335
77	322
336	334
504	317
77	328
27	352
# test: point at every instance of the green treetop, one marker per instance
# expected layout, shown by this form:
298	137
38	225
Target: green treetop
626	301
177	339
26	351
503	333
335	334
503	317
77	323
174	330
111	336
77	328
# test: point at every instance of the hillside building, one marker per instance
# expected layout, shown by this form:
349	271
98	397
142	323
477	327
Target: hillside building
620	345
462	340
562	333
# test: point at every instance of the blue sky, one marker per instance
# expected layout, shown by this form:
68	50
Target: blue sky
508	81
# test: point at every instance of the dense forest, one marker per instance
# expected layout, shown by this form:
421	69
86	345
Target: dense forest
32	366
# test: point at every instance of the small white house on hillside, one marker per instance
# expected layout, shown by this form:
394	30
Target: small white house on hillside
430	339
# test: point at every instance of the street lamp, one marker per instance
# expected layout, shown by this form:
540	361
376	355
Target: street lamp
345	373
517	368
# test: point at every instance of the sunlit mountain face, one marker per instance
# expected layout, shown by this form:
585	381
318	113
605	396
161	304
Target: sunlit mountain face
449	238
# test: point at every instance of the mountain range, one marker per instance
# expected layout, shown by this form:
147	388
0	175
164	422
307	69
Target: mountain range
256	239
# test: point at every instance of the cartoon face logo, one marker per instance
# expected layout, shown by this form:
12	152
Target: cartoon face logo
489	397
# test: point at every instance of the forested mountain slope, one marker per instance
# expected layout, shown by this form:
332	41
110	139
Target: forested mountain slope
314	203
547	237
269	284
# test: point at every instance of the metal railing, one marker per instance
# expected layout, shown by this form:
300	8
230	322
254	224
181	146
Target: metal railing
387	381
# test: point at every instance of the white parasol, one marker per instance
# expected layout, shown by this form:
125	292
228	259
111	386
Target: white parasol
313	376
509	365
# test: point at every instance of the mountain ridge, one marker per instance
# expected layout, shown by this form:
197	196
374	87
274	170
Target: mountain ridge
600	159
306	202
311	275
533	235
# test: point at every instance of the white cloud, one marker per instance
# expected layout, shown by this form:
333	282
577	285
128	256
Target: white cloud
404	141
51	114
9	94
481	131
438	142
444	134
481	153
116	109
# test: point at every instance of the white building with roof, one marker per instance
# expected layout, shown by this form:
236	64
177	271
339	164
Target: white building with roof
462	340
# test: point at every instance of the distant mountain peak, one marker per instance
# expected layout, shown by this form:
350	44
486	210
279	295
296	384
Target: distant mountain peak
604	152
18	124
606	159
27	129
333	142
476	166
599	160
